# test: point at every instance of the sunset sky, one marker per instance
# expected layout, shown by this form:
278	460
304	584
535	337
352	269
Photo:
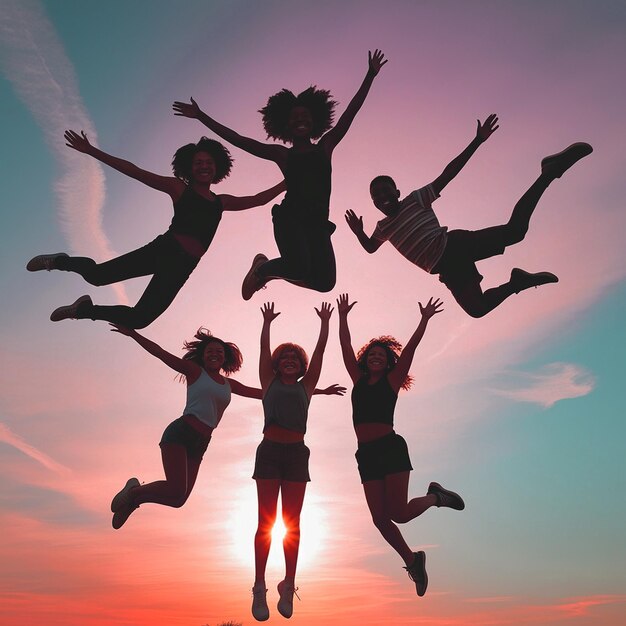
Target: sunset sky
518	411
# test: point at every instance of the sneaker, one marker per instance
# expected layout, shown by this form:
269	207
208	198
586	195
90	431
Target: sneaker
521	279
556	165
285	604
445	497
417	572
252	283
44	262
260	610
122	514
69	312
123	497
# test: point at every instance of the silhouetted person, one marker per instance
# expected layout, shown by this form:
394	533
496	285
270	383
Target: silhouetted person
413	228
171	257
301	227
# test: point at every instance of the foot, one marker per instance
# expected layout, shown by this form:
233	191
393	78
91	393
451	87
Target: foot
521	279
260	610
122	514
285	604
70	311
44	262
556	165
417	572
445	497
252	282
123	498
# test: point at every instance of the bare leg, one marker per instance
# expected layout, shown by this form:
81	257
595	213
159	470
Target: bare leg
267	495
396	495
292	494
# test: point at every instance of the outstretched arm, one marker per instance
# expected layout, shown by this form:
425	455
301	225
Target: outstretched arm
370	244
168	184
254	392
309	380
349	360
483	132
332	390
337	133
240	203
266	372
398	374
189	369
263	150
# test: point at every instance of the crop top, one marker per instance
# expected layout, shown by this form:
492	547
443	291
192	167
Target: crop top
196	216
373	404
207	399
286	406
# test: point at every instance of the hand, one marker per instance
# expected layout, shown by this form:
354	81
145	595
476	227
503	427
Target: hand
324	311
187	110
122	330
354	222
486	129
268	312
334	390
343	306
77	142
376	61
431	308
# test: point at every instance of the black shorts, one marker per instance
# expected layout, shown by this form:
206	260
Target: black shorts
284	461
183	434
386	455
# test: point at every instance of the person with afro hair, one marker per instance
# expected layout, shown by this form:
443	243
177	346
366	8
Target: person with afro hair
301	227
379	371
172	256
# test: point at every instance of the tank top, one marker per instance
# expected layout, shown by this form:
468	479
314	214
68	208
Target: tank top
207	399
286	406
196	216
373	404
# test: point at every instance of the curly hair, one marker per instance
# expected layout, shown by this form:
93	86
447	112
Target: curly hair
291	347
279	106
195	351
183	159
392	348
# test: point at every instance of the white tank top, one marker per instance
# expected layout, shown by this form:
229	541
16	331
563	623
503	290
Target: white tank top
207	399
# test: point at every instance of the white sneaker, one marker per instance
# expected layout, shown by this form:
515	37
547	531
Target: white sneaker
69	311
260	610
285	604
44	262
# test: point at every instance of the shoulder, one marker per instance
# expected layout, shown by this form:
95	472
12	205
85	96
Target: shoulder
425	196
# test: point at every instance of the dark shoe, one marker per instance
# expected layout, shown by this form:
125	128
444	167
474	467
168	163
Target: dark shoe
285	604
123	498
445	497
521	279
260	610
556	165
252	282
44	262
70	311
122	514
417	572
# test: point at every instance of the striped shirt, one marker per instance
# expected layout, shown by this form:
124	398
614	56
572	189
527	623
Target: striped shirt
415	230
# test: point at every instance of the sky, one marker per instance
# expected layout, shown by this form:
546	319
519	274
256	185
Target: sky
517	411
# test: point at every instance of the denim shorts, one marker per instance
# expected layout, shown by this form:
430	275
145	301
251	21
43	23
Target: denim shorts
284	461
382	456
183	434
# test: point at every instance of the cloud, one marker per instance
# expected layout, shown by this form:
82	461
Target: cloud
33	60
553	382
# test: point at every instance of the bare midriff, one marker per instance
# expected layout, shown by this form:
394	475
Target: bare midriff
196	424
190	245
282	435
369	432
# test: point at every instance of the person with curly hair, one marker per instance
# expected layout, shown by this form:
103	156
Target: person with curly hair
412	227
301	227
172	256
282	458
379	370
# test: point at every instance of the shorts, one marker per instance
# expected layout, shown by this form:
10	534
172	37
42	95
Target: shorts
284	461
183	434
386	455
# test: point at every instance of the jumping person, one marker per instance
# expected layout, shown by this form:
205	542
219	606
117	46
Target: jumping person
171	257
301	227
379	371
413	228
282	458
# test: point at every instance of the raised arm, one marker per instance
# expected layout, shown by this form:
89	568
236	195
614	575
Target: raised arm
337	133
189	369
355	222
483	132
168	184
398	374
240	203
266	372
268	151
349	360
309	380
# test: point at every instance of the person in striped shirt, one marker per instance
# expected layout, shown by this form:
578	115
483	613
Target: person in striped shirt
414	230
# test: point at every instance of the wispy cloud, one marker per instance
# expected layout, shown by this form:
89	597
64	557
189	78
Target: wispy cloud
34	61
553	382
